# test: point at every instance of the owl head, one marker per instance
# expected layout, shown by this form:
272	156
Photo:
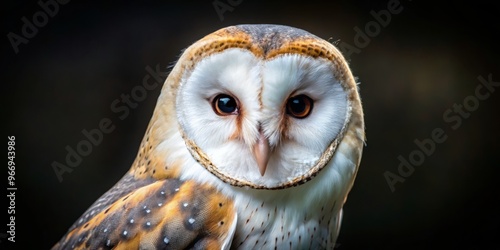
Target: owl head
266	106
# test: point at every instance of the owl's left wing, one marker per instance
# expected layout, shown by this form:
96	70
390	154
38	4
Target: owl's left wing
162	214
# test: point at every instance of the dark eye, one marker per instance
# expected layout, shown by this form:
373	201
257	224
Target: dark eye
225	105
299	106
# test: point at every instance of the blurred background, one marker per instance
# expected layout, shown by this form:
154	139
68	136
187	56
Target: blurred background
415	75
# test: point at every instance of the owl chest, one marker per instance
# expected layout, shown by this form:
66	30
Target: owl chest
274	226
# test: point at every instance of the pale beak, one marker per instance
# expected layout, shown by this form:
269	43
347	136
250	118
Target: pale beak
261	152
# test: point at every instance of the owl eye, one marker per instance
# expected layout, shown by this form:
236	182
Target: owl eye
225	105
299	106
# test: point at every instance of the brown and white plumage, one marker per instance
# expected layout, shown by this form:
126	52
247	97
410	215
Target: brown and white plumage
254	143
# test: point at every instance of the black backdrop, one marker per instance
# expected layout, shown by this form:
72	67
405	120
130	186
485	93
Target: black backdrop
415	74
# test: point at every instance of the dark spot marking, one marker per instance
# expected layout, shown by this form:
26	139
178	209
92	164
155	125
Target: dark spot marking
184	206
147	225
108	244
333	206
246	238
124	234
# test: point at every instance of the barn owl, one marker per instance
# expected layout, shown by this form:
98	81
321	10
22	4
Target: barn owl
255	142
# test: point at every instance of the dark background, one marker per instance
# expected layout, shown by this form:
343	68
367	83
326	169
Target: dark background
427	59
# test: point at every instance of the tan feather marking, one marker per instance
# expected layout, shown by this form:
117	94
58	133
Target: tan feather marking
163	213
239	124
284	123
148	164
317	48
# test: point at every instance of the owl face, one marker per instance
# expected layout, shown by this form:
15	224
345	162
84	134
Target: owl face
260	109
262	122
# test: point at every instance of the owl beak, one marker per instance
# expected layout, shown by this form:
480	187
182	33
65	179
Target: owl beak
261	152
